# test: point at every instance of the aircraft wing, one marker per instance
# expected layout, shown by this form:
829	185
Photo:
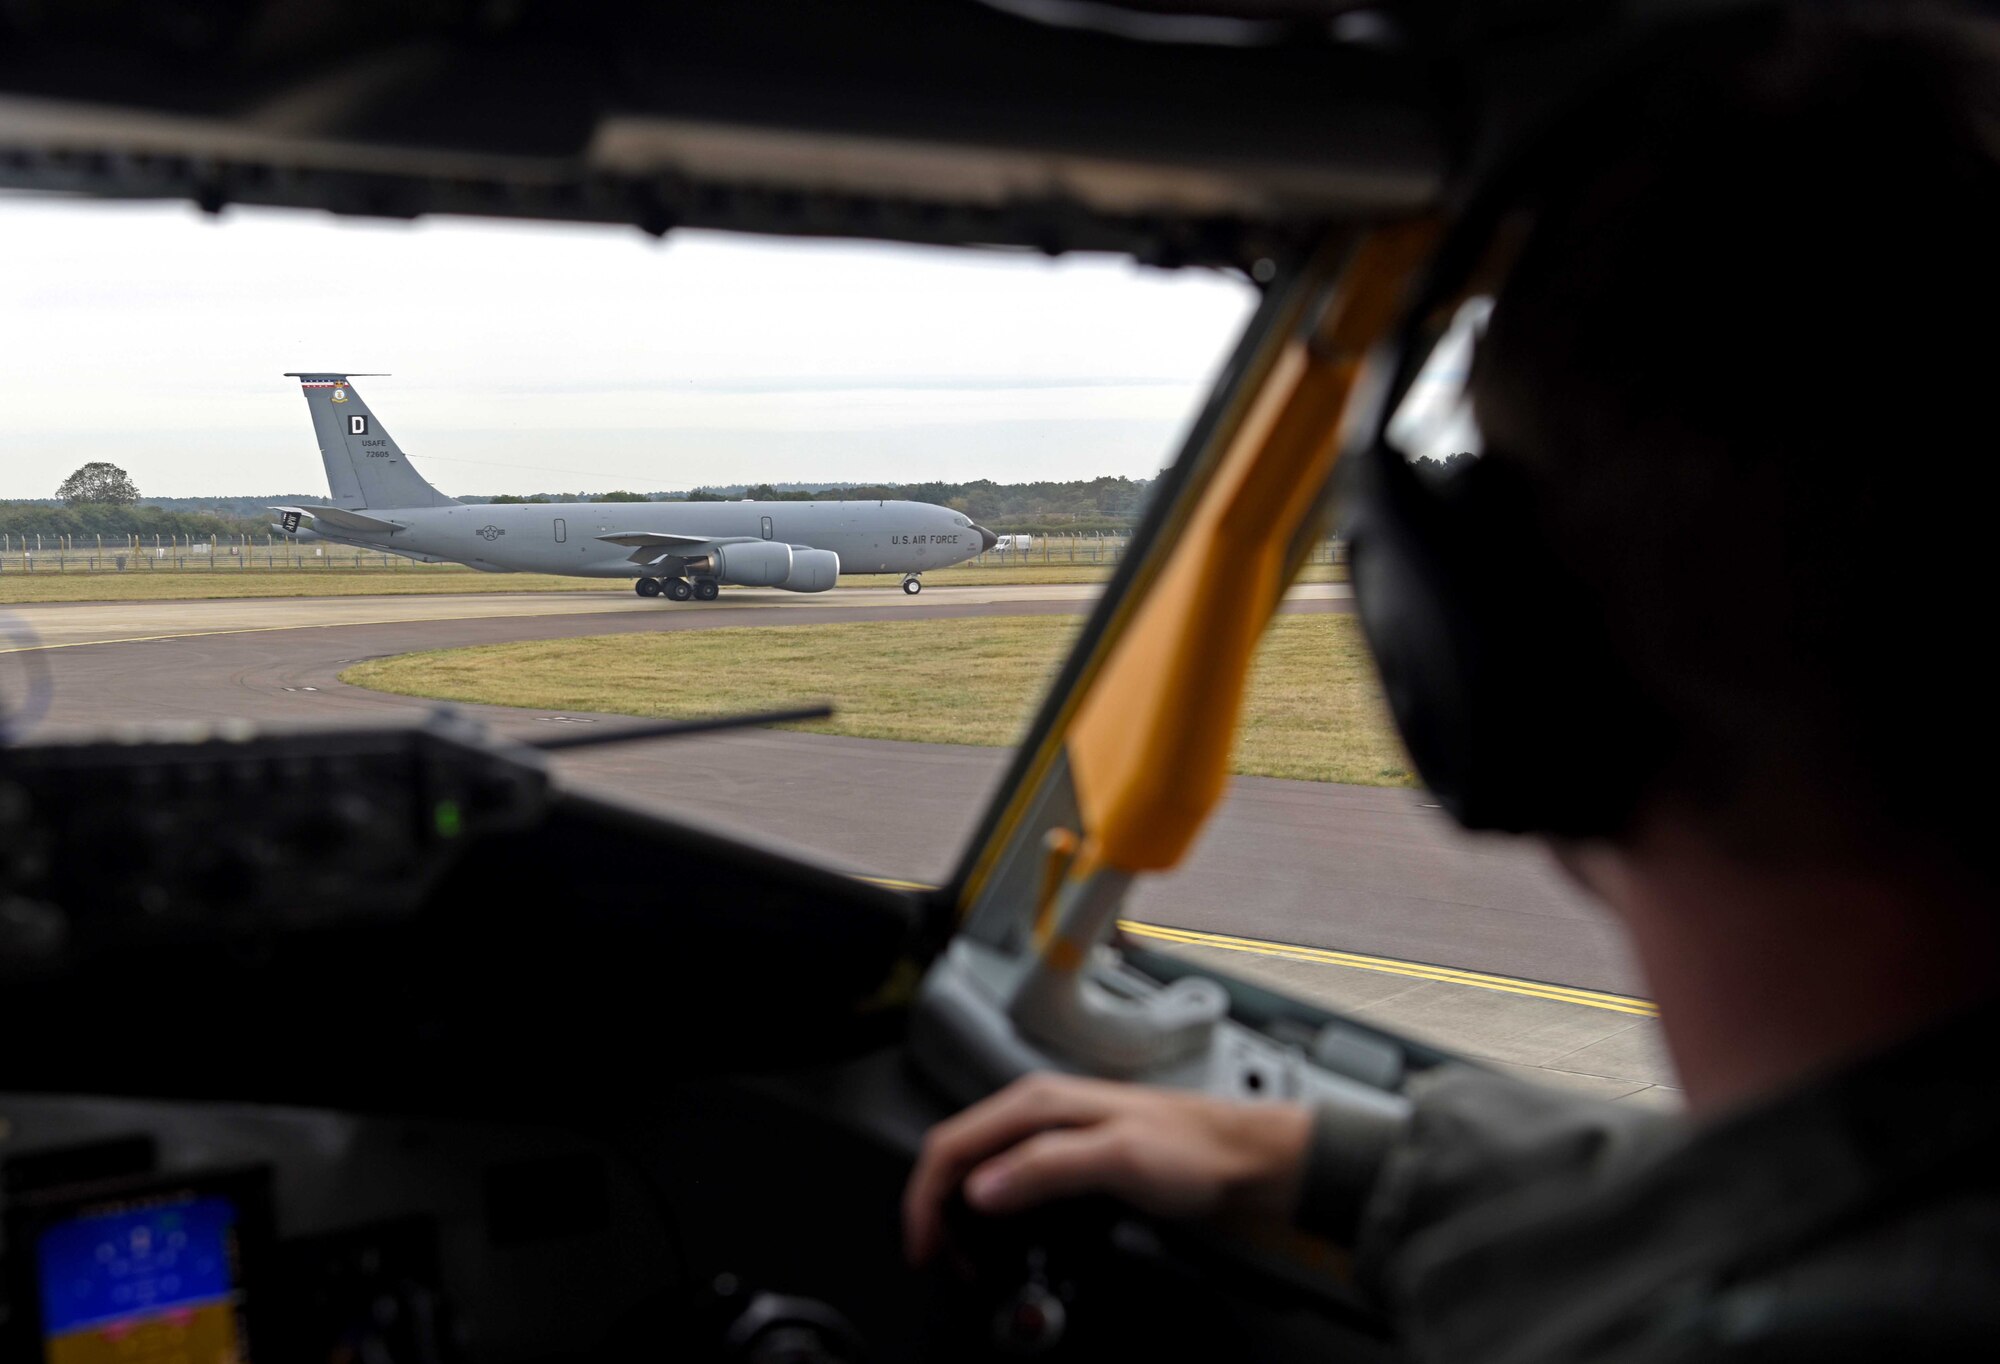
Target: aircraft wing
648	546
339	518
657	540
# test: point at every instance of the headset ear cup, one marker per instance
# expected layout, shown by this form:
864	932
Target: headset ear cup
1515	709
1406	606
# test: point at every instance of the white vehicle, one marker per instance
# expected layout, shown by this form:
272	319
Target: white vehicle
1019	543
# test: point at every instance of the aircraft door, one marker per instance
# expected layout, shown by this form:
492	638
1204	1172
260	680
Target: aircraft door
767	528
562	530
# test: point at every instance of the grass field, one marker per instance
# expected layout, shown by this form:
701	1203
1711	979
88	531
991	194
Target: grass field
1315	711
196	584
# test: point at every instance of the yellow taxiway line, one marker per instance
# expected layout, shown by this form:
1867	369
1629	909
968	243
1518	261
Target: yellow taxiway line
1447	975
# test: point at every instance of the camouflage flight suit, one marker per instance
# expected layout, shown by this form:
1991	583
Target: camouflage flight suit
1857	1218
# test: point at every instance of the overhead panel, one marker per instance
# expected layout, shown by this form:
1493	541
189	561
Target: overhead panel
915	120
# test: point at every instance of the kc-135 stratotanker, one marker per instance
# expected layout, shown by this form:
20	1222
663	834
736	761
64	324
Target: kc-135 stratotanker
676	550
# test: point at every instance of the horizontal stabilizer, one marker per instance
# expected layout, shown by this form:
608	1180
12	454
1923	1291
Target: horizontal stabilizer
341	518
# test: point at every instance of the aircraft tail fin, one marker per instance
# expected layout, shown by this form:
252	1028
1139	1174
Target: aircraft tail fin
364	465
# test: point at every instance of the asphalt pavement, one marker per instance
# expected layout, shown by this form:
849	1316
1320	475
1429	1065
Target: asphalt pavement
1361	870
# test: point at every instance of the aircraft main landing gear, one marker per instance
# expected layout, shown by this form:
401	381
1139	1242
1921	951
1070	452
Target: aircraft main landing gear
647	587
911	586
707	589
678	589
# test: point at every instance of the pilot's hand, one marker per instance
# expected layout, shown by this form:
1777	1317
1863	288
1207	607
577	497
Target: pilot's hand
1056	1136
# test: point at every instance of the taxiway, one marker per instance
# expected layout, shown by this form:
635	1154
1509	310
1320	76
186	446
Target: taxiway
1355	869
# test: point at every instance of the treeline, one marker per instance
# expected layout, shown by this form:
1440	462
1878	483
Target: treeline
256	509
1077	507
91	519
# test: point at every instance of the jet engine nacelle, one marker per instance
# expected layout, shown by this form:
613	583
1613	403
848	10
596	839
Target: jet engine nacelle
813	570
753	563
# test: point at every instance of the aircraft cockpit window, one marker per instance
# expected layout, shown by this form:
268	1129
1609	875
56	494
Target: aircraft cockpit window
1433	421
504	517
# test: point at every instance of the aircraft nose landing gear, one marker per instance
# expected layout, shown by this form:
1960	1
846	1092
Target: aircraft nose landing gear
912	586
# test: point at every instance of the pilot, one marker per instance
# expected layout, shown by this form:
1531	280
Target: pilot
1719	390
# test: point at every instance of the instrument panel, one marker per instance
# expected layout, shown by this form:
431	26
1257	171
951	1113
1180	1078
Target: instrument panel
377	1045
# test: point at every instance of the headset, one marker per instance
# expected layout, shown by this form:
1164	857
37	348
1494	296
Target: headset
1502	667
1520	714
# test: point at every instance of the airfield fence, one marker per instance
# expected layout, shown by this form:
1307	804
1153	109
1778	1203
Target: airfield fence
180	553
239	553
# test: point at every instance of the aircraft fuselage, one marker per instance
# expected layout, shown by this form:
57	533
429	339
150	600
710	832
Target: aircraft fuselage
562	537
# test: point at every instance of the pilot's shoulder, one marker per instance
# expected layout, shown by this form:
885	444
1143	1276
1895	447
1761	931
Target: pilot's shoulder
1913	1280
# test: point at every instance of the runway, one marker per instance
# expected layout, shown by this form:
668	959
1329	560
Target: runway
1351	869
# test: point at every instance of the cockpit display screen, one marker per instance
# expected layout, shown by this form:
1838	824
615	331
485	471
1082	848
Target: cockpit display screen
146	1281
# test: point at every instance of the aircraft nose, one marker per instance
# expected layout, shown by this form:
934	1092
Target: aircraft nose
987	539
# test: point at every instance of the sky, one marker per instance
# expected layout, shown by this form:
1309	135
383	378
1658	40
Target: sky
532	358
